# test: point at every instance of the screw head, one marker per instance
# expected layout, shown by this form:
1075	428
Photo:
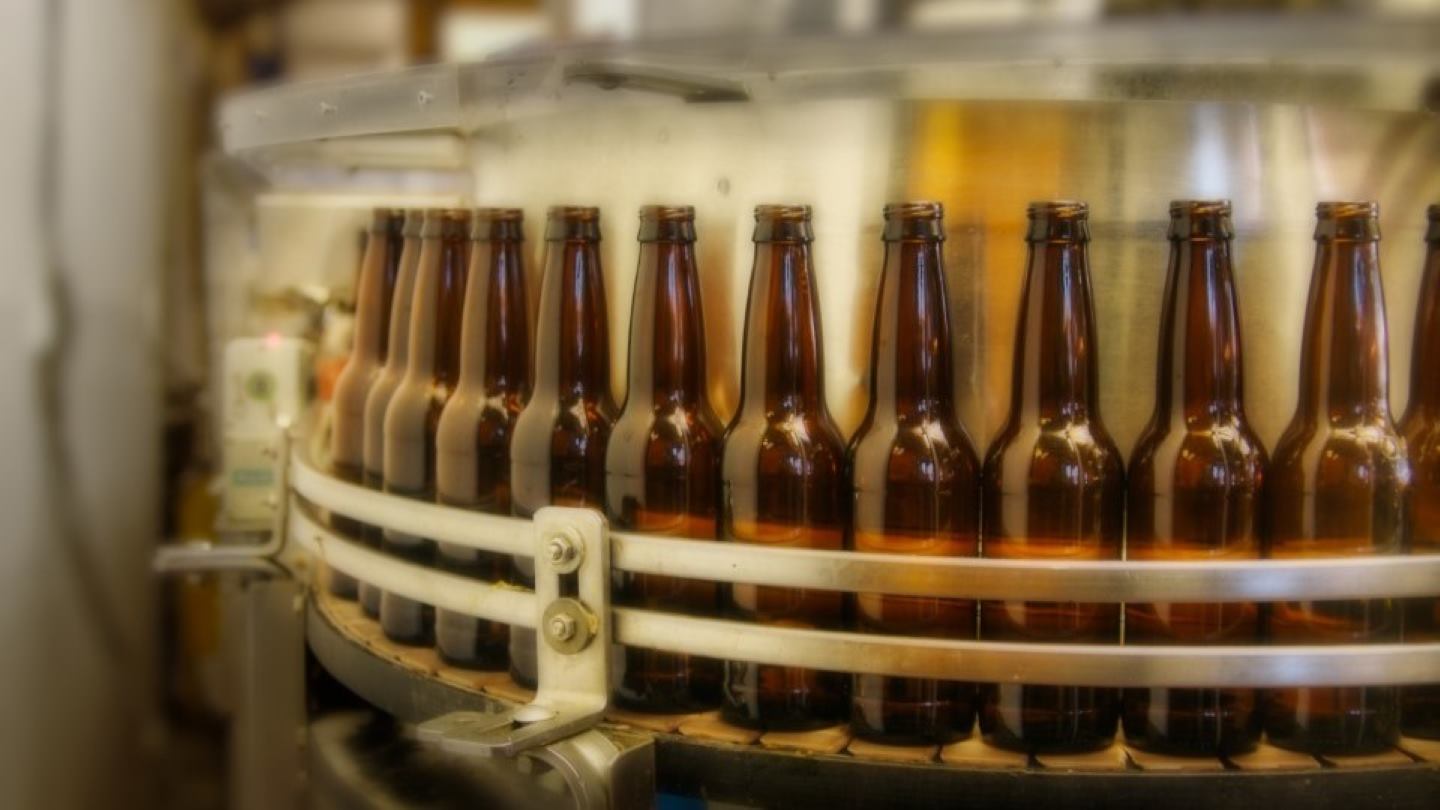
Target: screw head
561	627
562	550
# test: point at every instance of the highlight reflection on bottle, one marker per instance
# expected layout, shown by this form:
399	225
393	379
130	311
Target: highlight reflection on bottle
1195	483
1420	707
472	441
1339	485
782	475
663	462
1054	488
558	453
915	481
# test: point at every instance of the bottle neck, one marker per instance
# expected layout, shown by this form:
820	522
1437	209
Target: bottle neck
397	355
1199	375
1055	374
370	300
1424	382
911	367
667	330
495	352
1344	371
437	315
783	355
573	348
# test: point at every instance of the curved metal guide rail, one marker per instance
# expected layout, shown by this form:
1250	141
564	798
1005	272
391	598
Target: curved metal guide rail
1057	664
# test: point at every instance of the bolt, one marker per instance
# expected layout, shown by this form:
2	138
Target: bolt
560	550
561	627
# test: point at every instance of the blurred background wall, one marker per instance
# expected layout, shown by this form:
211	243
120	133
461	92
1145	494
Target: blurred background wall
89	134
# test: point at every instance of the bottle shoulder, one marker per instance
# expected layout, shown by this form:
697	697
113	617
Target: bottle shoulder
775	439
929	449
1212	446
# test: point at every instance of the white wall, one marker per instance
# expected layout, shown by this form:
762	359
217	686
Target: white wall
77	682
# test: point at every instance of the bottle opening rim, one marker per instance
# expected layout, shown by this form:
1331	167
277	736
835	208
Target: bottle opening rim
667	213
499	215
775	211
1344	209
574	213
1200	208
1058	209
914	209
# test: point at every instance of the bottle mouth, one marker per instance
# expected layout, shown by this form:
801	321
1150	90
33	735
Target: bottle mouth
922	220
1200	219
387	220
498	224
455	223
1347	220
789	213
1432	216
1058	221
782	223
1058	209
414	221
564	222
667	223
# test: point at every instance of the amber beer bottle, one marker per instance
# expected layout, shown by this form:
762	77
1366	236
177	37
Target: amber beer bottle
915	480
397	355
1054	487
662	469
1339	485
375	292
558	454
782	475
472	442
414	413
1195	483
1420	707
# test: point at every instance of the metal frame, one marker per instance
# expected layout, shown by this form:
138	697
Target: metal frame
1322	59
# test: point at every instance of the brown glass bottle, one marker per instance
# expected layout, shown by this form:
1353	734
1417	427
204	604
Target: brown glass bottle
397	355
1420	706
1195	482
1054	487
915	480
414	413
1339	484
472	441
662	468
558	454
782	475
373	297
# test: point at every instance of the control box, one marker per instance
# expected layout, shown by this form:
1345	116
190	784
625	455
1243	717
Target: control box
268	383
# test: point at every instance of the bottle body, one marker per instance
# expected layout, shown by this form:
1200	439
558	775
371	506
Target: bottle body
472	440
374	296
1195	489
377	399
662	462
413	415
1420	708
557	456
914	482
1053	488
782	476
1339	485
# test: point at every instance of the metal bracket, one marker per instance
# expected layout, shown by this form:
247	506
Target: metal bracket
572	590
199	556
